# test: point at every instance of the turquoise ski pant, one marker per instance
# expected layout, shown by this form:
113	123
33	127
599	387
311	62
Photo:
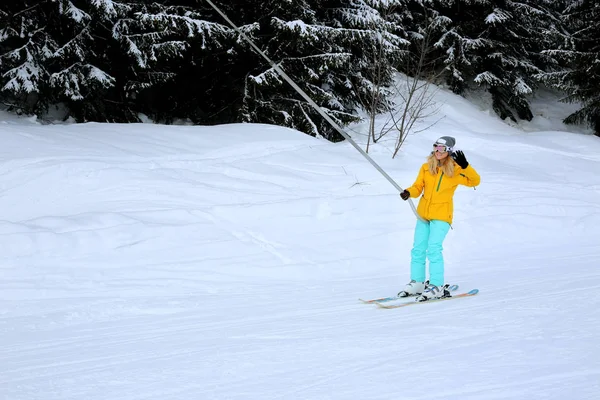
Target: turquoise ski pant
429	237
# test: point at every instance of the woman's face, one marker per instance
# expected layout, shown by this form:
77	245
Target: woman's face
440	151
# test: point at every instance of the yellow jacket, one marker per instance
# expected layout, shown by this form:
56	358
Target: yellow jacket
438	191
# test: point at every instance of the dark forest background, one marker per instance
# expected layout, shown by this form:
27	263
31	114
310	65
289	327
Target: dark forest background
110	61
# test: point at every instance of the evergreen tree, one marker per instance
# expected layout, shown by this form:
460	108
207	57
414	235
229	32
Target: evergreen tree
25	47
378	45
88	67
454	28
108	61
49	54
580	79
311	53
179	63
517	32
496	44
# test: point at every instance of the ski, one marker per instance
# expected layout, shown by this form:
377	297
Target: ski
452	288
411	303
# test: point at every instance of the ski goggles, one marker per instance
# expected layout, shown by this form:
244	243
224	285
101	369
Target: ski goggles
440	148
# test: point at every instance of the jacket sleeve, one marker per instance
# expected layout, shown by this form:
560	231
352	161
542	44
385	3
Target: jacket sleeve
469	177
417	188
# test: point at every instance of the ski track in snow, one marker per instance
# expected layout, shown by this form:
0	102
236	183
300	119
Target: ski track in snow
135	265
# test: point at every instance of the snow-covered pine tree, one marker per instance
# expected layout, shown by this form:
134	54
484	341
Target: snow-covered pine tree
180	62
496	44
49	54
25	47
517	32
106	60
86	67
454	27
312	54
377	46
580	78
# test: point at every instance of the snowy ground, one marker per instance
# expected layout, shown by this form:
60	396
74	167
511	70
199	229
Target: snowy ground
152	262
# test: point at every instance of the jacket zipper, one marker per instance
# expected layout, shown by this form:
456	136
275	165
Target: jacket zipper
440	182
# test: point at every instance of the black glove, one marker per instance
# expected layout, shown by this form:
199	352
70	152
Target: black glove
405	195
460	159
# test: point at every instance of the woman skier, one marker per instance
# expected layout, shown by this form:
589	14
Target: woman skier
438	178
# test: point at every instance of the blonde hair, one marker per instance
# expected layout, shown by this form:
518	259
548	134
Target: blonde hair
447	165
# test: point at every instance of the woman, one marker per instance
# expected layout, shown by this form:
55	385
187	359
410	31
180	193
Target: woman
438	178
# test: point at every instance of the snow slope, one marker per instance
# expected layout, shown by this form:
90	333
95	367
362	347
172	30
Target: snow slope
161	262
